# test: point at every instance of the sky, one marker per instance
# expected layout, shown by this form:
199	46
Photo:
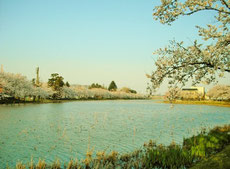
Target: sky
88	41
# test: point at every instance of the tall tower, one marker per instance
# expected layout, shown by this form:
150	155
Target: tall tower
2	69
37	77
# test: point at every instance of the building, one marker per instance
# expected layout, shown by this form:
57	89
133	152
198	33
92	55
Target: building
193	93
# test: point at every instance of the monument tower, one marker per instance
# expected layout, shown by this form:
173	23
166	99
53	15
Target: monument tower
37	77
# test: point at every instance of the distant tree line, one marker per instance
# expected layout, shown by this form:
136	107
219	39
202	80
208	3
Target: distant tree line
96	85
112	86
19	87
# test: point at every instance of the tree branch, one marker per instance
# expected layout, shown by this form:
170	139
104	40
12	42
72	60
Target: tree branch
198	63
225	3
206	8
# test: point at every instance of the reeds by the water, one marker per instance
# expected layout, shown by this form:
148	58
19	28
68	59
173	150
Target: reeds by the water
150	155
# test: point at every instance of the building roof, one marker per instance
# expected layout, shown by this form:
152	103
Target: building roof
190	89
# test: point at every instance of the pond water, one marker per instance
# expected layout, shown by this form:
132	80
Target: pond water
67	130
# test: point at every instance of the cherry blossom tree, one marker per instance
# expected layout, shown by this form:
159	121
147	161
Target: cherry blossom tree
219	92
41	93
68	93
200	62
173	94
16	85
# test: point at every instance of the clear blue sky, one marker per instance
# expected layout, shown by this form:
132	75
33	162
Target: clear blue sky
87	41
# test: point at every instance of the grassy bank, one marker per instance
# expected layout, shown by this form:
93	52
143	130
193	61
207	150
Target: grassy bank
157	97
201	102
218	161
195	151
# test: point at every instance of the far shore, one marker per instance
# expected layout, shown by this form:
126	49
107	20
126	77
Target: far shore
200	102
158	99
61	100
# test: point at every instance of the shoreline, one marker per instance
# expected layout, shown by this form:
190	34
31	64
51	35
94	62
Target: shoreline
203	102
64	101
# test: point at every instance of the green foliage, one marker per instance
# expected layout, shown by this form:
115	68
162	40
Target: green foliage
67	84
205	144
33	82
218	160
160	156
56	82
96	85
112	86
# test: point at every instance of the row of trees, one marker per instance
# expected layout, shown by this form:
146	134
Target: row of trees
112	86
19	87
56	82
98	93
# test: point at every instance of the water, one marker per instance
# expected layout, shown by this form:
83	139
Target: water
67	130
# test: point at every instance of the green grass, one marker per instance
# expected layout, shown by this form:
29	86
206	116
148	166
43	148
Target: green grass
218	161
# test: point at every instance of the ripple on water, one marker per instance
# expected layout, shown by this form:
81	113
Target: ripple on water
68	130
